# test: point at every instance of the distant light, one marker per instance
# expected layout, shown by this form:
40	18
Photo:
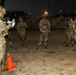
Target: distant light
15	14
60	11
75	11
45	12
29	13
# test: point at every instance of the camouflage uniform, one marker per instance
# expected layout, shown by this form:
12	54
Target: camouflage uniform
3	32
44	26
75	31
21	29
70	34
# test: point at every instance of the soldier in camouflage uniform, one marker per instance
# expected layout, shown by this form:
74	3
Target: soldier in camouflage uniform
3	32
21	29
70	32
44	26
75	30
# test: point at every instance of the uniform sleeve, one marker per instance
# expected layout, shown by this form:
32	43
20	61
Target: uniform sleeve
4	29
9	26
49	25
40	24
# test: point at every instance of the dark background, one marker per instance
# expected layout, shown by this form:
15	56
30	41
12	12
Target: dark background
39	6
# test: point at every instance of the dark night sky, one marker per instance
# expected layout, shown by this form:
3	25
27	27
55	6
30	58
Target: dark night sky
39	6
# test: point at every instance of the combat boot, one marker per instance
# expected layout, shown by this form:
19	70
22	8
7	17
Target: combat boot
45	43
46	47
22	44
37	47
67	45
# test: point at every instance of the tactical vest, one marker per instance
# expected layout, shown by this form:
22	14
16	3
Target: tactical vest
44	26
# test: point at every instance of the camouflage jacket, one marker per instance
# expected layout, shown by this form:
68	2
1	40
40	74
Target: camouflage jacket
70	27
74	26
44	25
21	27
3	28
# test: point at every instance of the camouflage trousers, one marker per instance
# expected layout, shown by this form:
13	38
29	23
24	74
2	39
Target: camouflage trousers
70	38
2	52
43	38
9	38
75	37
23	37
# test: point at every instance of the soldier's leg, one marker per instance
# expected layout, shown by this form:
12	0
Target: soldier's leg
68	41
10	38
72	41
45	40
25	40
74	38
22	37
40	41
22	41
2	55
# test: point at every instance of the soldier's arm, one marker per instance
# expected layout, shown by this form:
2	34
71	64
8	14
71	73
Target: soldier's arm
40	23
4	29
9	26
25	24
49	25
73	27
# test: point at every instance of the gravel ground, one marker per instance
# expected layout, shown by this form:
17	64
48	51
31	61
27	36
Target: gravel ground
56	60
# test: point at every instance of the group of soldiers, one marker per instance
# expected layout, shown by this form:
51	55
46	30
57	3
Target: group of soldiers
44	27
70	32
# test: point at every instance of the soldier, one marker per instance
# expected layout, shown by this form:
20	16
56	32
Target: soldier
21	29
70	32
3	32
44	27
75	30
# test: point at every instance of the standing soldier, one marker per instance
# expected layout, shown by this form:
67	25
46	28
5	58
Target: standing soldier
44	27
70	32
3	32
21	29
74	30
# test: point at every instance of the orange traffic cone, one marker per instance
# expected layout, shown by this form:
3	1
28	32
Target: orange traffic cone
9	64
